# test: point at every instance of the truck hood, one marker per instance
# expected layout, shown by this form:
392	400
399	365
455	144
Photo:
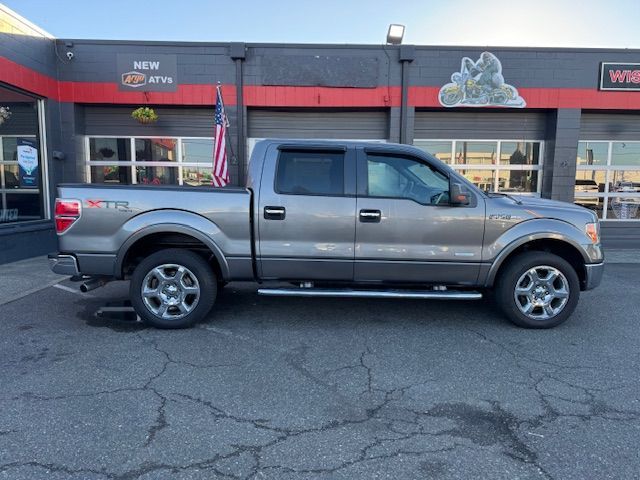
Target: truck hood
533	207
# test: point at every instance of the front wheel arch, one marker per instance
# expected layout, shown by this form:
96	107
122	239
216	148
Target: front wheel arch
560	248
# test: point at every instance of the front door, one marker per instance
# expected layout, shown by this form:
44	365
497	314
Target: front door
307	203
407	231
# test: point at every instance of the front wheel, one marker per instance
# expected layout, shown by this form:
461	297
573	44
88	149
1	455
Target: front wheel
173	288
538	290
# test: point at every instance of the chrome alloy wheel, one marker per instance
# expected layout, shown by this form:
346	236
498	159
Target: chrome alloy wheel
170	291
541	292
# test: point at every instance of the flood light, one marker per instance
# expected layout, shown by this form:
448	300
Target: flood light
395	34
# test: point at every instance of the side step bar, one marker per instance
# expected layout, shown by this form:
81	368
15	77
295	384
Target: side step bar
417	294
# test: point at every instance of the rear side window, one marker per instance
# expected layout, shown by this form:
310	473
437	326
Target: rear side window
315	172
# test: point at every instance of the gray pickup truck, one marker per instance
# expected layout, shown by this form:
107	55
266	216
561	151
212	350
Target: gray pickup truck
330	219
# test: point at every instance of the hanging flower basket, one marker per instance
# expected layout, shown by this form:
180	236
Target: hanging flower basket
5	114
145	115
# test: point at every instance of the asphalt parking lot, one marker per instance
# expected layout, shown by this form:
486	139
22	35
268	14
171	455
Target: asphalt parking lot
274	388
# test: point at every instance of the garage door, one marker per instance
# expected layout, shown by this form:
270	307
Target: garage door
506	125
324	124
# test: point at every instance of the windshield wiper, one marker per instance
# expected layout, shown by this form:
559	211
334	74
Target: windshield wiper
510	197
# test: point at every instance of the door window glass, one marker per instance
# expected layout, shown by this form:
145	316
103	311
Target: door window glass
401	177
310	173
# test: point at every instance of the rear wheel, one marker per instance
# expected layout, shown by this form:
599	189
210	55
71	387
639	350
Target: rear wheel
538	290
173	288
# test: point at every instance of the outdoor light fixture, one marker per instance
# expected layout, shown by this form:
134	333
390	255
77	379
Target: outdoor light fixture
395	34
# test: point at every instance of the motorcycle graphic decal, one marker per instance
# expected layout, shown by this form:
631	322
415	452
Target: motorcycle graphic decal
480	84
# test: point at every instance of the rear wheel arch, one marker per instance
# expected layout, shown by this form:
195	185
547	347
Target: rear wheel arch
159	237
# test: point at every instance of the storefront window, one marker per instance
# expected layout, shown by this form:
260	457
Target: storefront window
21	171
440	150
518	170
625	153
483	179
476	153
197	150
110	149
150	161
197	176
156	150
592	153
608	179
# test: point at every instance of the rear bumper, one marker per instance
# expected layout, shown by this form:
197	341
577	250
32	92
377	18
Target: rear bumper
63	264
593	275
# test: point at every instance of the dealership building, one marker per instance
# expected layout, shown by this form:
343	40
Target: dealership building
557	123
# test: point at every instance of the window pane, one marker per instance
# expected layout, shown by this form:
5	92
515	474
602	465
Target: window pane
11	179
26	206
625	153
626	181
590	181
197	176
10	149
312	173
592	153
520	153
440	150
157	175
400	177
621	208
518	181
198	150
111	174
483	179
476	153
156	149
110	149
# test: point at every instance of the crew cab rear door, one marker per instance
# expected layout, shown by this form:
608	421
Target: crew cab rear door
307	213
406	229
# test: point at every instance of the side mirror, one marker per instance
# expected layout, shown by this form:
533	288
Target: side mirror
458	194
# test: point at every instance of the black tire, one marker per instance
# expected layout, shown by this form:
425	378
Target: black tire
197	275
509	277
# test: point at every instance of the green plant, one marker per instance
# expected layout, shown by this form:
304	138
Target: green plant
145	115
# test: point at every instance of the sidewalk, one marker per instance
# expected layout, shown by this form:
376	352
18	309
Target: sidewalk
25	277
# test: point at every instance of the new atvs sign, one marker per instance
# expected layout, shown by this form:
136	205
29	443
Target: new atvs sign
148	73
480	84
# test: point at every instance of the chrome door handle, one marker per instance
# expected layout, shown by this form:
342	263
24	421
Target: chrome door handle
370	216
274	213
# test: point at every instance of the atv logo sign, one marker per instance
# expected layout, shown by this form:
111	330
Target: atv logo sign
480	84
149	73
134	79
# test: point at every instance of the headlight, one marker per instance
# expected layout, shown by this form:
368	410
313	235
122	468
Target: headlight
593	231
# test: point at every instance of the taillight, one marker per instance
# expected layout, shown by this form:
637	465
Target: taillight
66	213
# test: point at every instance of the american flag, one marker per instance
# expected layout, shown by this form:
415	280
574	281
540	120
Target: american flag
220	169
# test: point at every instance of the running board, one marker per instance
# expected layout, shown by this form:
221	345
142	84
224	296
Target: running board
417	294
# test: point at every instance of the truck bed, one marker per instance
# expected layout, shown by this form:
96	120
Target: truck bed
113	216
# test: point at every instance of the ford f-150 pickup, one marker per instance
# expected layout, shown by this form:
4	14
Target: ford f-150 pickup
330	219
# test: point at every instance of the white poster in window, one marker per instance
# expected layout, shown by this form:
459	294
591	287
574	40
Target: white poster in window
28	162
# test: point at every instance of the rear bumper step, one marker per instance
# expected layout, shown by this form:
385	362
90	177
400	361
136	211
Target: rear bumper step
417	294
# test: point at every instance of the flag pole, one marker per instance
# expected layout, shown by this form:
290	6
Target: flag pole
227	125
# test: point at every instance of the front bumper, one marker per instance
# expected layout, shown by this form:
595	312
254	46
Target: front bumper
593	277
63	264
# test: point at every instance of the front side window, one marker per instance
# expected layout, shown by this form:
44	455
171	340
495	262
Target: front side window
402	177
310	173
